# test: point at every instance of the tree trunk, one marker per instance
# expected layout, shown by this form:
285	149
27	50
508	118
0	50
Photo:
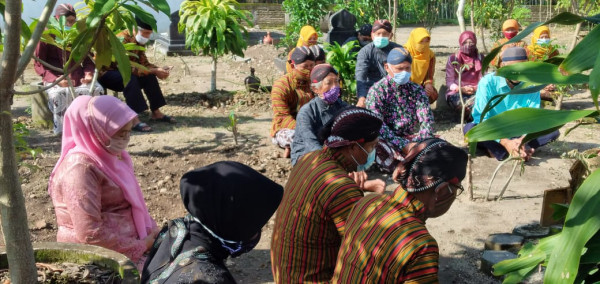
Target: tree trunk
213	74
482	36
460	15
12	203
395	16
472	16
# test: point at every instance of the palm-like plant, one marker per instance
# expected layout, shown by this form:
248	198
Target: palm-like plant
212	27
343	59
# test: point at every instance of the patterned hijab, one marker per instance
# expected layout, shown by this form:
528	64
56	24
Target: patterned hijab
430	163
471	59
421	54
89	124
305	33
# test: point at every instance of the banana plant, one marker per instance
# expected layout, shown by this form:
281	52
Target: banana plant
572	256
343	59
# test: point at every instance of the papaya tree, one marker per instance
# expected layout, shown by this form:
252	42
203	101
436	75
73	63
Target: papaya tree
212	28
95	33
573	255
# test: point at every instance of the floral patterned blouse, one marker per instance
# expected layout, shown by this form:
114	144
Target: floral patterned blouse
404	108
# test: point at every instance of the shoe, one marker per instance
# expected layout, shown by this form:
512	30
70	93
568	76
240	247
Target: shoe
142	127
165	118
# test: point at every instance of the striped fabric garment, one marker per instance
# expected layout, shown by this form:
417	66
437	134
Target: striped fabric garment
386	242
287	96
311	218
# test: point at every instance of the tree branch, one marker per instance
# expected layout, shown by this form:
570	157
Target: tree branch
12	40
46	64
35	37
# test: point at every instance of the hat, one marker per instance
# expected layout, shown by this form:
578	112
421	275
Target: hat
64	10
142	24
514	53
365	29
352	125
382	24
321	71
398	55
318	52
301	54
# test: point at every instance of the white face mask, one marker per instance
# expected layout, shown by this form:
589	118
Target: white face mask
140	39
117	145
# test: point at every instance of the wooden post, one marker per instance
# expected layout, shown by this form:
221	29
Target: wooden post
40	113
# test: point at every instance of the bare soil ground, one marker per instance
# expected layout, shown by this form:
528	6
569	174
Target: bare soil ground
200	138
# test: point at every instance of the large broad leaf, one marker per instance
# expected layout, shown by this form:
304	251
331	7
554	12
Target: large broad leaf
540	73
143	15
530	256
162	6
581	224
103	49
120	55
595	80
583	56
516	122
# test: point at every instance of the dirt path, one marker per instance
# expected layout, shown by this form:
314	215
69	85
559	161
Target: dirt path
200	138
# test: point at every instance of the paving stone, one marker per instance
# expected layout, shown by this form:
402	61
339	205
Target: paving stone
531	231
491	257
503	242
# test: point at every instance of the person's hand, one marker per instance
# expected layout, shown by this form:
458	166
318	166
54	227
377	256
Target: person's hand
407	148
550	88
468	90
151	237
63	83
360	178
514	148
431	92
376	186
87	78
361	102
160	73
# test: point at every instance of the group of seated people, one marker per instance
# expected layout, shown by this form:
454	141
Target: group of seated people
396	82
50	60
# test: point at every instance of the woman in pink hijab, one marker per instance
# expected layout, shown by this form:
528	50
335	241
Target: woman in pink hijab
94	190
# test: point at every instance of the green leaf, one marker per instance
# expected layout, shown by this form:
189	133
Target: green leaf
162	6
583	56
143	15
581	224
516	122
103	50
540	73
595	80
560	210
120	55
520	89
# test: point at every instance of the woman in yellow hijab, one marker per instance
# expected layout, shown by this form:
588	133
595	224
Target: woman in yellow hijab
540	48
423	61
308	37
510	28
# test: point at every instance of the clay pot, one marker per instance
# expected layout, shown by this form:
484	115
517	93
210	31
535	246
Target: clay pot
55	252
268	39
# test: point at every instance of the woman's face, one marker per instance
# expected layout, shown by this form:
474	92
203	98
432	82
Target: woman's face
328	83
70	21
359	154
312	40
124	132
468	42
511	30
544	35
425	40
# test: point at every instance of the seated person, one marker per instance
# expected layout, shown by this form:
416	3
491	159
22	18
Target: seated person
470	76
228	203
363	37
318	196
370	60
308	37
94	190
319	53
492	85
288	95
145	80
430	180
404	107
60	96
541	49
423	61
510	28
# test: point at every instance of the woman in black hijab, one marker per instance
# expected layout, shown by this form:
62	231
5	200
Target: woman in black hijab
228	204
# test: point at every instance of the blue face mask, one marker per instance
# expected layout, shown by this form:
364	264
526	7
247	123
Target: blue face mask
543	41
401	78
234	248
370	160
67	28
381	41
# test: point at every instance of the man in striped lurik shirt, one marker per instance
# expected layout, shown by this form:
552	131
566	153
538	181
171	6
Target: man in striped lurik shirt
386	240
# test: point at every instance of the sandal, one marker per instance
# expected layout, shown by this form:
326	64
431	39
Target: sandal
165	118
142	127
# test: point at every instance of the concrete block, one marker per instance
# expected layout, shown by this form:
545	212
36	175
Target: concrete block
531	231
491	257
504	242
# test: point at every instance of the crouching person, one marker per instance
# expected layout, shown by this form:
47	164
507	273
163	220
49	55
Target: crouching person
430	178
228	204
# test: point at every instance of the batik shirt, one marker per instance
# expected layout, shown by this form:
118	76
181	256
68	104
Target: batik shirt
386	242
404	108
288	95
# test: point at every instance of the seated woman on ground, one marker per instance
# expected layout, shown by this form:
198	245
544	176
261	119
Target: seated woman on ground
228	204
510	28
469	58
423	61
60	96
96	196
542	49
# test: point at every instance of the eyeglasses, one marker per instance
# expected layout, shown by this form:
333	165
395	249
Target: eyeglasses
459	189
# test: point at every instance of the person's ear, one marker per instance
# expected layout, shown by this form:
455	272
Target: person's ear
391	35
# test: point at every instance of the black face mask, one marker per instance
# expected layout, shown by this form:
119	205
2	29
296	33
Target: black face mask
363	42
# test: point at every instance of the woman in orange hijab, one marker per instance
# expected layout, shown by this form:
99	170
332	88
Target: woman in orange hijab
510	29
308	37
540	48
423	61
